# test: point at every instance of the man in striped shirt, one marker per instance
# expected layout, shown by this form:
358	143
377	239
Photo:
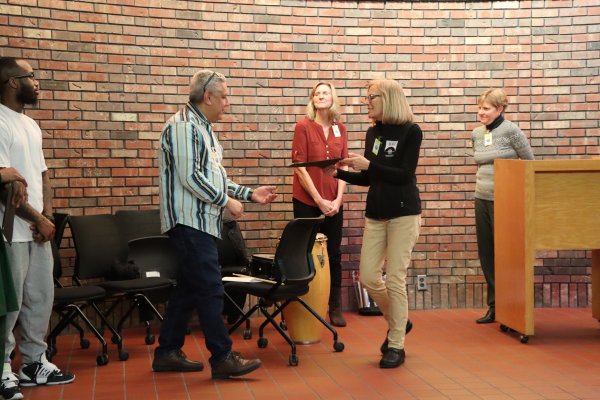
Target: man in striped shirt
194	190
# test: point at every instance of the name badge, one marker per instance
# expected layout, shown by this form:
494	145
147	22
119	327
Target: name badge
487	139
336	131
376	146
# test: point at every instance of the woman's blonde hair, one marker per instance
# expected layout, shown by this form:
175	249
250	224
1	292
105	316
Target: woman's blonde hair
396	110
334	111
495	97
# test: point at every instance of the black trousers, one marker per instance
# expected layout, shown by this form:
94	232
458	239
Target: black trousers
332	228
484	224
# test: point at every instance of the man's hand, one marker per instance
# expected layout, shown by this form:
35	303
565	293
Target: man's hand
234	207
11	175
43	230
264	194
19	196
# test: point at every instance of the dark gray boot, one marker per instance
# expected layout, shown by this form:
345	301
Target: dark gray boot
335	307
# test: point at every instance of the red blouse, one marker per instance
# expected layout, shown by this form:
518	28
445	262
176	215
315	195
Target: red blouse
310	145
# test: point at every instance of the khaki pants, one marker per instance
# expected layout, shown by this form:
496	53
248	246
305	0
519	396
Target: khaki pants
393	240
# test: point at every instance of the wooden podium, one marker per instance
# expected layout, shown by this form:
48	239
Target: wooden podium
541	205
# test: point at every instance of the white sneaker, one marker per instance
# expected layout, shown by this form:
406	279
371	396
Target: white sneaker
43	372
9	387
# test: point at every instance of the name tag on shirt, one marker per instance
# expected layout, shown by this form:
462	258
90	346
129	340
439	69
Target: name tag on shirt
336	131
376	146
487	139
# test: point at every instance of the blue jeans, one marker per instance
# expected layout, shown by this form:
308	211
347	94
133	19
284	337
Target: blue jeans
199	286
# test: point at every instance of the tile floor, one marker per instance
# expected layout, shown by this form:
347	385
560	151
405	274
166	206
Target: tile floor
448	357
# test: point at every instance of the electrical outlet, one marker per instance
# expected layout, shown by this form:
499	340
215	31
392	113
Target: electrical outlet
421	282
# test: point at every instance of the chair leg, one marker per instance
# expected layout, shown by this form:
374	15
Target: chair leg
68	318
116	338
244	318
247	331
270	318
317	316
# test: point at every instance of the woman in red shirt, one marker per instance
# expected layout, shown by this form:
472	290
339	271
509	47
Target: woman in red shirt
320	136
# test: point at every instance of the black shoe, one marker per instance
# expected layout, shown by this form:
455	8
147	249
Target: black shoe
234	365
384	346
488	318
43	372
175	361
392	358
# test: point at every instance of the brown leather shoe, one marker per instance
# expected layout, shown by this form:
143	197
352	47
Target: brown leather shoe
175	361
234	365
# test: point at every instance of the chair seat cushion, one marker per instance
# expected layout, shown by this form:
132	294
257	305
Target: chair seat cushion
136	285
74	294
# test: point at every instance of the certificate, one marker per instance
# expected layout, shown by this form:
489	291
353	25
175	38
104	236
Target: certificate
320	163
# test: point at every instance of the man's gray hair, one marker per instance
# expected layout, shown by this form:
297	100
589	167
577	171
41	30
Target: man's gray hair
204	81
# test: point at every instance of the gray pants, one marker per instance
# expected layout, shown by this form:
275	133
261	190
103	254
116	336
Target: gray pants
31	266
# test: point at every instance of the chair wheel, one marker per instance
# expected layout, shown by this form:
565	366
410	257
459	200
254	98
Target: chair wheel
114	339
293	360
524	339
84	343
283	325
123	355
150	339
263	342
247	334
338	346
504	328
102	359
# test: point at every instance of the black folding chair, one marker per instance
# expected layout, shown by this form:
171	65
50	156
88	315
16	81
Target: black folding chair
99	244
295	269
70	302
233	258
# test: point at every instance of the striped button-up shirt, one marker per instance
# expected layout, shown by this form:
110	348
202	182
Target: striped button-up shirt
193	183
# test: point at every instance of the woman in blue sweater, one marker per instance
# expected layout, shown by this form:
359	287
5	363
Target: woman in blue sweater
393	211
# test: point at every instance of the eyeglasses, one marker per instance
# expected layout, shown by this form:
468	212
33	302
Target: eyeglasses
370	97
29	75
208	81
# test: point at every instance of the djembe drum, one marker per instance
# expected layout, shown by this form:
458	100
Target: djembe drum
302	326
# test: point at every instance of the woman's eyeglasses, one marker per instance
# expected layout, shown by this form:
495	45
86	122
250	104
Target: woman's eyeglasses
370	97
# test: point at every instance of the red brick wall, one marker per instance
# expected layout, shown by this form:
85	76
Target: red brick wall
112	74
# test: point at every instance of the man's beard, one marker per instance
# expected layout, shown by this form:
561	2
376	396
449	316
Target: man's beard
27	95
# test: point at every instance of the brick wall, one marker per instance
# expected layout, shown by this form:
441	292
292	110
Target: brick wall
111	75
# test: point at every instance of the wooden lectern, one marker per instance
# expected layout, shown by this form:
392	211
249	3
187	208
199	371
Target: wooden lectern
541	205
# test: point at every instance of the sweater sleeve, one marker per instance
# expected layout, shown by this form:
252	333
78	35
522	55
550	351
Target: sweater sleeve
521	145
409	158
355	178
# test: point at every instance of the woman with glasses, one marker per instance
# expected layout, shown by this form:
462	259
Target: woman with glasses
393	211
320	136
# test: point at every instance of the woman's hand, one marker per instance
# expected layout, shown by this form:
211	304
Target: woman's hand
331	170
325	206
356	161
